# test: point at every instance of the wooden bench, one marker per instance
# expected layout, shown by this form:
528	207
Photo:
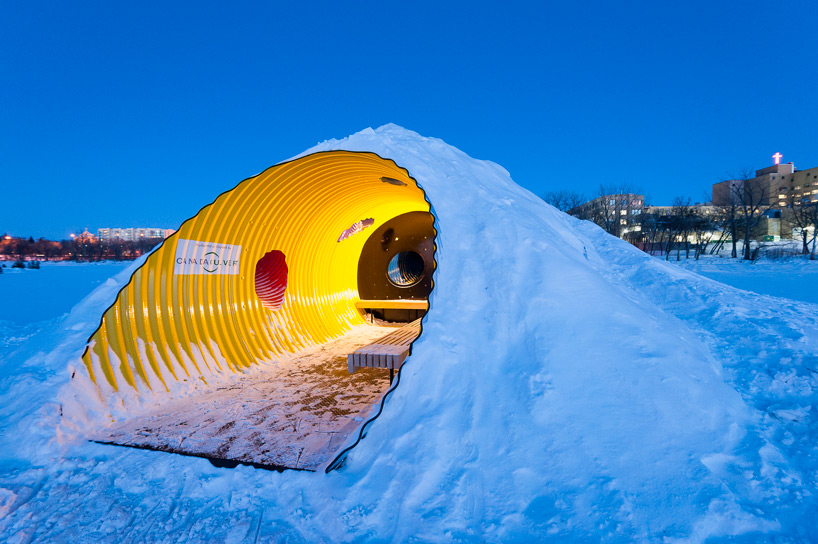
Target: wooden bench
386	352
414	308
392	304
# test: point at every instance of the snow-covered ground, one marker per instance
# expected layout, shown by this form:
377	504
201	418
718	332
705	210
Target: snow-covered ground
566	387
35	295
33	300
795	278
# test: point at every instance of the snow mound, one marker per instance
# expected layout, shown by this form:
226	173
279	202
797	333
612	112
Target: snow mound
566	386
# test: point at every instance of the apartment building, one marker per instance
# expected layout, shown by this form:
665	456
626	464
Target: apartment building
132	234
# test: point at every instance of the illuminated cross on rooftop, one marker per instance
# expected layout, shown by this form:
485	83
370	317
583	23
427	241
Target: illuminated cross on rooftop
777	157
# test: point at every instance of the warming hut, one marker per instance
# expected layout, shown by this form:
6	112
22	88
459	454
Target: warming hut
291	258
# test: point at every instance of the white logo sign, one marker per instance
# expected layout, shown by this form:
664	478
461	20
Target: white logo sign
193	257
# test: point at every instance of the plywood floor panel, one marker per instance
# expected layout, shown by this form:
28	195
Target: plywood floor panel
295	414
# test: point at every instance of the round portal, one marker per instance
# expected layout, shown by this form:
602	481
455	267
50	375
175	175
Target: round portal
271	280
405	269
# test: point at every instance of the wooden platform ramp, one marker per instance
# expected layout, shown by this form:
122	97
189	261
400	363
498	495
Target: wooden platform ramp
293	414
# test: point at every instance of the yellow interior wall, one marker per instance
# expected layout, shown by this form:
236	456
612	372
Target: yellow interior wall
300	208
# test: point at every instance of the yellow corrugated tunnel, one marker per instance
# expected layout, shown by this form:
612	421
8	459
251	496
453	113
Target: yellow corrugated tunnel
270	267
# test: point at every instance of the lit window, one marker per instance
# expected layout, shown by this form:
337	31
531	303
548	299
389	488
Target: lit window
623	212
623	221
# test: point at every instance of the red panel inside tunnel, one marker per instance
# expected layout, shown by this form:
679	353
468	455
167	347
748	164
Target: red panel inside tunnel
271	280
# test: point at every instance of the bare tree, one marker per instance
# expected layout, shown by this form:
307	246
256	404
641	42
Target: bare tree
611	207
684	226
807	214
732	220
564	200
751	200
702	228
727	220
677	226
651	232
803	215
604	211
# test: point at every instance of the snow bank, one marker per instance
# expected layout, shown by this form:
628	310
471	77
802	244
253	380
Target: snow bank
566	386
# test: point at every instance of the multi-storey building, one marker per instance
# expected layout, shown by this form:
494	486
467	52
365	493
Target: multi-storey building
132	234
777	186
779	191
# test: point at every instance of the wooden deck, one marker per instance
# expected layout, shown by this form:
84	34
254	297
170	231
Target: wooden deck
292	414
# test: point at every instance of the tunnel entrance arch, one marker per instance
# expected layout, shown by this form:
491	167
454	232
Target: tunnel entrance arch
267	271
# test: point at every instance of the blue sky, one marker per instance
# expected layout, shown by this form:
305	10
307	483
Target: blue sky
120	114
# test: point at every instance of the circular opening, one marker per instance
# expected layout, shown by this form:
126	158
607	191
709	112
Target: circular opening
406	269
271	280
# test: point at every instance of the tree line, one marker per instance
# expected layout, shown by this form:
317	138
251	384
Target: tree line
78	249
696	228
